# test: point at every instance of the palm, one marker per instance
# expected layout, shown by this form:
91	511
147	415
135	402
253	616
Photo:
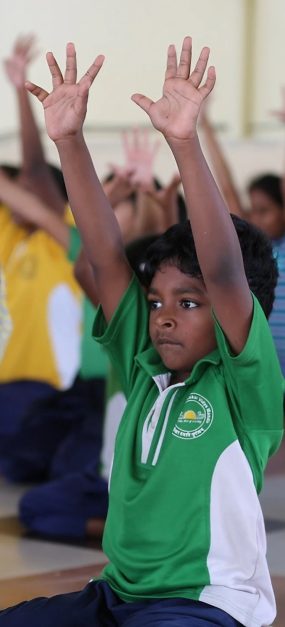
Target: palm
64	116
179	103
140	156
175	113
65	107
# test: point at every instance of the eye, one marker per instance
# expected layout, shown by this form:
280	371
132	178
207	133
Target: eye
154	304
188	304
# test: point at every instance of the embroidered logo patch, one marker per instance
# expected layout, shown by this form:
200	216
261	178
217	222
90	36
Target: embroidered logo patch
196	418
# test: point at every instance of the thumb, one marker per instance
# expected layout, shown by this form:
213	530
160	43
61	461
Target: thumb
142	101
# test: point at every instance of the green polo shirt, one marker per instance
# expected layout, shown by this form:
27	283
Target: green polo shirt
184	518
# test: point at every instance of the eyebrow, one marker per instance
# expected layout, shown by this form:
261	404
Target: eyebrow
179	290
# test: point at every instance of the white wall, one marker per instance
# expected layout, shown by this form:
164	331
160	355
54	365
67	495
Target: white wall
269	62
134	35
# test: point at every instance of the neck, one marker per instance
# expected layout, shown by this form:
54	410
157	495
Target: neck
179	377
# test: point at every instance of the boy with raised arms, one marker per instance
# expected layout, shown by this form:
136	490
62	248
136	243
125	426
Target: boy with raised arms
184	533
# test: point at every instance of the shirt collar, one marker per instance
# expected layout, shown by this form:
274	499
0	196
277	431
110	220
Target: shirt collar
150	361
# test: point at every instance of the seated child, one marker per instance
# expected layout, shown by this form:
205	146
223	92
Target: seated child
184	533
42	353
43	298
63	432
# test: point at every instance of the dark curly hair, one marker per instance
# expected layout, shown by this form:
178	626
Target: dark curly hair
269	184
13	172
176	246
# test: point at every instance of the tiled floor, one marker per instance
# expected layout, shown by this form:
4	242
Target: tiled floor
31	567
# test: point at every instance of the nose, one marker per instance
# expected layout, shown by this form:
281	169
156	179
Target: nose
165	319
168	324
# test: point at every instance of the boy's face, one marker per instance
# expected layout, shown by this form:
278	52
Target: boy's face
180	323
266	214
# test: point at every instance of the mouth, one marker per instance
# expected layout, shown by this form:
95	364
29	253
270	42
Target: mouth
165	341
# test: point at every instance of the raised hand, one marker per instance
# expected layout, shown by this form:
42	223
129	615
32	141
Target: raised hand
120	187
167	196
66	105
140	155
175	113
16	64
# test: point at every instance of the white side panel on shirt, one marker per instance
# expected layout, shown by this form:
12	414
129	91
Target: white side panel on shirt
114	411
240	581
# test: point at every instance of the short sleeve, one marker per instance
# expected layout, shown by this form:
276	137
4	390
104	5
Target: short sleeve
255	387
126	335
74	244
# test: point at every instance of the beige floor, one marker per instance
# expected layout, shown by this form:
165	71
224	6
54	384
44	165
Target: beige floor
22	556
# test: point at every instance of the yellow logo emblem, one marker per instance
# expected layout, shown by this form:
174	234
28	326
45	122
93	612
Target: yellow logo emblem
190	415
196	419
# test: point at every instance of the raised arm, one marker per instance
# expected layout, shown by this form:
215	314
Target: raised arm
65	109
85	277
32	210
175	115
156	210
221	166
140	154
35	171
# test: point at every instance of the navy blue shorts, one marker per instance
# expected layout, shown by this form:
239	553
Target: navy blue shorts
61	508
97	606
17	398
58	434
